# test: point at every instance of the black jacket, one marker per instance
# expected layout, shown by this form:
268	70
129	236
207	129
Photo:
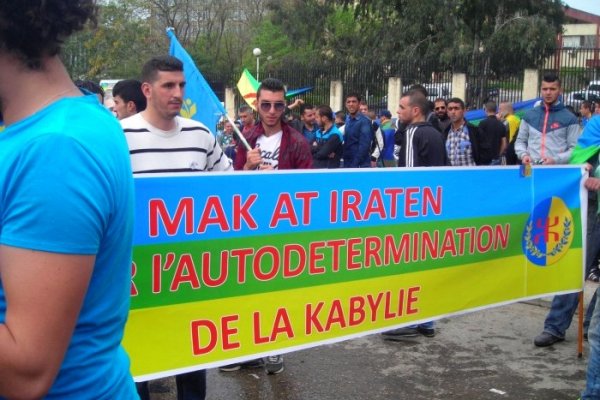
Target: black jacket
322	148
421	145
473	137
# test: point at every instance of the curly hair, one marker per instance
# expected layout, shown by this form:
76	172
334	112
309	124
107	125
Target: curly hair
34	29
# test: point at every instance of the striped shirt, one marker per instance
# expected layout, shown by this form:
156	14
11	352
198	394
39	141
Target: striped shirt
189	147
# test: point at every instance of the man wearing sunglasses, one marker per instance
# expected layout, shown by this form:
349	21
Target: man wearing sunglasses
439	107
275	144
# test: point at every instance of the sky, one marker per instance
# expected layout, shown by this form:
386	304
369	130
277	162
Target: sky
591	6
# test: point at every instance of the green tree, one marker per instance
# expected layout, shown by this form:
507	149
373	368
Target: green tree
447	29
275	47
116	48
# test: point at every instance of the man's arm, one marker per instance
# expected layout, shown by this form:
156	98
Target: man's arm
573	133
521	142
503	140
377	152
301	155
364	141
44	294
328	147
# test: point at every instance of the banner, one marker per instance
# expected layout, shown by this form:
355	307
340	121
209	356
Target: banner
234	266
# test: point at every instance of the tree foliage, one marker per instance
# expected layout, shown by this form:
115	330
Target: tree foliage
508	35
447	29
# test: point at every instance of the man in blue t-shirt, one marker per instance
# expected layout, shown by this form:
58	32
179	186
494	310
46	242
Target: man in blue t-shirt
66	218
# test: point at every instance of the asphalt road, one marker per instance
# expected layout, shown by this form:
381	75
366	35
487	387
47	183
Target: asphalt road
482	355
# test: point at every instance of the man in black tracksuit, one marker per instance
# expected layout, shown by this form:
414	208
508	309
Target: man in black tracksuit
421	145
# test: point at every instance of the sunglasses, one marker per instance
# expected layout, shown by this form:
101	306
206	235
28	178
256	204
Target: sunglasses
267	105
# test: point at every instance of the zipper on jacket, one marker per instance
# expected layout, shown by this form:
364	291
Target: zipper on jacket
543	149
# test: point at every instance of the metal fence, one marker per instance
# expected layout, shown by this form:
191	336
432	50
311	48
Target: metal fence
499	78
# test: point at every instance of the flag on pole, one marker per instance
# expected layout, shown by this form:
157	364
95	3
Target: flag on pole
588	144
291	93
200	102
519	107
248	86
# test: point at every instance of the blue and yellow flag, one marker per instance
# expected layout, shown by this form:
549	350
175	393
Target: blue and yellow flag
200	102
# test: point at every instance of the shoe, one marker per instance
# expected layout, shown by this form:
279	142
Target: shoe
427	332
594	276
546	339
401	333
274	365
230	368
246	364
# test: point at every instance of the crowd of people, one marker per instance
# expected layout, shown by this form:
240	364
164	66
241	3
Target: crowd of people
423	134
67	204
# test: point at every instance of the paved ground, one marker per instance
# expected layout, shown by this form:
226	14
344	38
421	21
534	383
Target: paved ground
483	355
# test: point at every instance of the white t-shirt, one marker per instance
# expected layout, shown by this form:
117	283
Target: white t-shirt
269	148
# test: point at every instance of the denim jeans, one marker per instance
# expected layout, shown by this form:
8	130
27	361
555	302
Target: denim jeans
564	306
561	314
592	385
426	325
190	386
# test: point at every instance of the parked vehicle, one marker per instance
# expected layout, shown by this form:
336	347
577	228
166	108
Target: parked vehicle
576	98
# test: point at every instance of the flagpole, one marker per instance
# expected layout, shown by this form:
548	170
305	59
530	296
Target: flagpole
238	133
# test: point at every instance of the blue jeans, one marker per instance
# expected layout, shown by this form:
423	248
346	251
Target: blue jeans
426	325
562	311
564	306
190	386
592	384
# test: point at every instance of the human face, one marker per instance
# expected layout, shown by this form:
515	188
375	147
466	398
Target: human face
270	116
440	109
583	110
308	116
352	105
503	109
455	112
247	118
228	128
364	109
320	120
405	111
550	92
165	94
121	108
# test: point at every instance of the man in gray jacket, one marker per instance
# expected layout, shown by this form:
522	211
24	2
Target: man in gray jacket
547	135
549	132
